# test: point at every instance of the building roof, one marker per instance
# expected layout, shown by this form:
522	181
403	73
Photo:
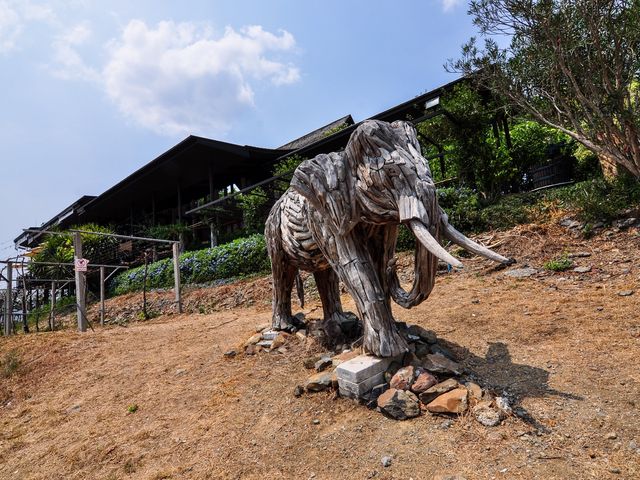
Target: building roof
68	215
318	134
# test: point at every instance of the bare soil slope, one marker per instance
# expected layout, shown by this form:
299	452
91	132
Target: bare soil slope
565	344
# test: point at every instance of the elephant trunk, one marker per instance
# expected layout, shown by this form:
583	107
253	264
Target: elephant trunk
425	265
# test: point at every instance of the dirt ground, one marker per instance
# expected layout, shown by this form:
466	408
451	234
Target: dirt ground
565	345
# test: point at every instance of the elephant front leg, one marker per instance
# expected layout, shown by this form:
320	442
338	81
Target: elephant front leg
358	272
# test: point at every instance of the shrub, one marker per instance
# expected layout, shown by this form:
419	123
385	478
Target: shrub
599	199
243	256
559	264
462	206
406	240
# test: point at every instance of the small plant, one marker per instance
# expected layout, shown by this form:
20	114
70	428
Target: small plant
129	466
133	408
559	264
9	363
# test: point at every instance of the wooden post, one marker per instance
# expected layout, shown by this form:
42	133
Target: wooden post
212	235
102	296
8	303
176	275
52	310
81	281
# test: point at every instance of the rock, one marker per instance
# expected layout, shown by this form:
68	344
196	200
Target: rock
438	389
251	349
301	334
344	357
318	382
334	379
615	470
280	340
74	409
424	382
391	371
521	272
454	401
612	436
264	326
378	390
411	359
422	350
298	391
584	269
270	334
282	350
579	255
266	344
399	404
626	293
181	371
386	461
475	391
230	353
487	415
446	424
444	351
310	362
504	404
316	421
253	339
449	477
422	333
403	378
438	363
323	364
626	222
569	223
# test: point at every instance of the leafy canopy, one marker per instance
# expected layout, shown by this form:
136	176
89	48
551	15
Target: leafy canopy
573	65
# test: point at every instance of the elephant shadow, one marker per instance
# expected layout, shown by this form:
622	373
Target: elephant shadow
499	374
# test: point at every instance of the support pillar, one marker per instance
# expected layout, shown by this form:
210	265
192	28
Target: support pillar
81	282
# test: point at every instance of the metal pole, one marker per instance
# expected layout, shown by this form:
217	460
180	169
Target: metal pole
176	275
102	296
8	303
81	281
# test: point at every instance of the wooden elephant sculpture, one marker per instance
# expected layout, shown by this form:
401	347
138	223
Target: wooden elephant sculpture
339	219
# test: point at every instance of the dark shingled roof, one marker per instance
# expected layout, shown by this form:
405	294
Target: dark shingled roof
316	135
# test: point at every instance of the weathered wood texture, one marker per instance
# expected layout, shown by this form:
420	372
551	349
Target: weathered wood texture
339	220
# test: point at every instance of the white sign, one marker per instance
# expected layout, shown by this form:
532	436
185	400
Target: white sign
81	264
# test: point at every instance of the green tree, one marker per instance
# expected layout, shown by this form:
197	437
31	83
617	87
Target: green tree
573	65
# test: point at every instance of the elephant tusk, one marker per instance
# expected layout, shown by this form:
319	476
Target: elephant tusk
459	239
430	243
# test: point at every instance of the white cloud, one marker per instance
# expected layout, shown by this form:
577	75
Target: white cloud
10	27
16	16
448	5
179	78
68	62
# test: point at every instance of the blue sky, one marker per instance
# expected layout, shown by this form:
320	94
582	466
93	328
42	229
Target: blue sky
91	91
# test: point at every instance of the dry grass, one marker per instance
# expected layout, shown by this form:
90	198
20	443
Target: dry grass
565	344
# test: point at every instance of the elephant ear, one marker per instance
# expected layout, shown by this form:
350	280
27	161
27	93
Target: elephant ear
328	183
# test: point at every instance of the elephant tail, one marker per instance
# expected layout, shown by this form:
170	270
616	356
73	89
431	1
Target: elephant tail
300	289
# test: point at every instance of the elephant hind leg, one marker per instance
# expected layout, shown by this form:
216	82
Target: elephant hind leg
283	279
334	318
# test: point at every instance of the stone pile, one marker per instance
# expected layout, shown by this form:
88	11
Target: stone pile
426	379
265	340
